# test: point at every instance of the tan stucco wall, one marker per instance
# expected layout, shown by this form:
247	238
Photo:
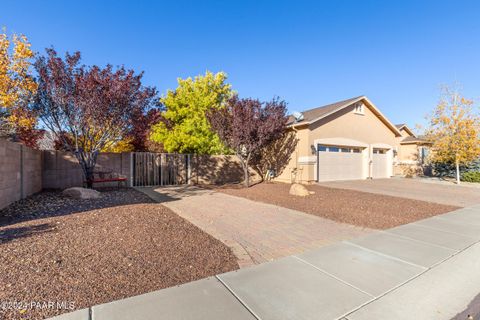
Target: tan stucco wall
367	128
404	133
408	152
297	170
407	157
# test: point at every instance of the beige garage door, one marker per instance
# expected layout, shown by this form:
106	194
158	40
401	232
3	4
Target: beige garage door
379	163
339	163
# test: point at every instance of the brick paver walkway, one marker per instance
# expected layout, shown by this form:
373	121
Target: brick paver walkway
257	232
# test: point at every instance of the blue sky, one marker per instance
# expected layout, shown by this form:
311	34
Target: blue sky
309	53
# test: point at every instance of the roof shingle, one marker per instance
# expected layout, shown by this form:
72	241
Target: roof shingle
312	114
415	139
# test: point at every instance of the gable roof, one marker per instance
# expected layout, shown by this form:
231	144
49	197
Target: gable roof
406	128
413	139
309	116
313	115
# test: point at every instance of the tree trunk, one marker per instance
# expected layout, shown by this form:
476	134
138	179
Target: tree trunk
246	177
87	161
244	163
89	177
457	165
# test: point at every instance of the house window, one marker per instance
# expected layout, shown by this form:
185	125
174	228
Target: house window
359	108
323	148
379	151
423	154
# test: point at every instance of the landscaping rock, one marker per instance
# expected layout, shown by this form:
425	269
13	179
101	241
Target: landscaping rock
81	193
299	190
105	256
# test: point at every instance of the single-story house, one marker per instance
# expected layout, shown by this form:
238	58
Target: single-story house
412	151
348	140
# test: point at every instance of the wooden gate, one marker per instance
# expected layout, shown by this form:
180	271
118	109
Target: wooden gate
160	169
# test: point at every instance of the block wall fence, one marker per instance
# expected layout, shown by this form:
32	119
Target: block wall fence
20	172
25	171
61	170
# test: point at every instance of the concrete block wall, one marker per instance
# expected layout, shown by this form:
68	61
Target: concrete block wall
61	170
20	172
218	169
25	171
31	171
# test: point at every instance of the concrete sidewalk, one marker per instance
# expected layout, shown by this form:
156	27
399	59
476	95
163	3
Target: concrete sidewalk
429	269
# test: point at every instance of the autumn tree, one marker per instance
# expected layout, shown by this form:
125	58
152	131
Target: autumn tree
185	128
17	87
246	126
137	139
454	130
88	107
142	128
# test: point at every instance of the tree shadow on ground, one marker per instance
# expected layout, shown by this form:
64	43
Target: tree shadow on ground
161	194
216	170
10	234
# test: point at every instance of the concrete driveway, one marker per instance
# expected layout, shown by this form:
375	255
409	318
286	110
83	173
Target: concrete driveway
418	189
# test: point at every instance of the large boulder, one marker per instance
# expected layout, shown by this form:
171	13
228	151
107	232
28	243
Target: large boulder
299	190
81	193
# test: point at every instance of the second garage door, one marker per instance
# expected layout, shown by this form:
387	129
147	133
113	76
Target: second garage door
339	163
379	163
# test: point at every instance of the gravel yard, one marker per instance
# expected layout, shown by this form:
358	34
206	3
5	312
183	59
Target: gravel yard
353	207
86	252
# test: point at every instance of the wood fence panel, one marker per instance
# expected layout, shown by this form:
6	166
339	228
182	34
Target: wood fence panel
160	169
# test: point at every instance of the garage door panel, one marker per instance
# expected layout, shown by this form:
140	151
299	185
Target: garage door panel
379	165
339	166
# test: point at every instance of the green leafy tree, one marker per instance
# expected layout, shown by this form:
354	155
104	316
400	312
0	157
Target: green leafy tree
185	128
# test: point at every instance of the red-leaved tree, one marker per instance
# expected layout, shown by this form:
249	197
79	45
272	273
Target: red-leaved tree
140	132
88	107
247	126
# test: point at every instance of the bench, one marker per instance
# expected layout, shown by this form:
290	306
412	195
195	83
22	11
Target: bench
108	176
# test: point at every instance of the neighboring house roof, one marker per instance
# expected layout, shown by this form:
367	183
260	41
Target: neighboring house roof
413	139
406	128
313	115
47	142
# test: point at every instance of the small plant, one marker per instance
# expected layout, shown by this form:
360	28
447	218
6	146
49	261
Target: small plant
472	176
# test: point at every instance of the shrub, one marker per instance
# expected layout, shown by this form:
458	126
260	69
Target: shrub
472	176
442	169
